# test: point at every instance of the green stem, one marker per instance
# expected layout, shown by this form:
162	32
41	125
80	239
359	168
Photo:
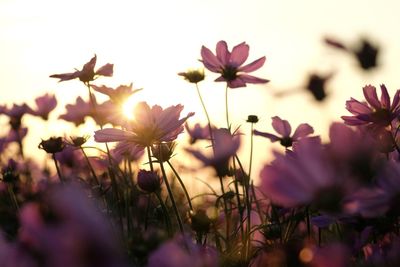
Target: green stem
149	156
208	117
226	108
165	210
90	167
251	148
182	184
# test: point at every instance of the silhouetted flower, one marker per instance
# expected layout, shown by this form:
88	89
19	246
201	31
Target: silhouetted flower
376	112
229	64
77	112
148	181
52	145
225	146
197	132
87	74
149	126
44	105
316	85
283	128
193	76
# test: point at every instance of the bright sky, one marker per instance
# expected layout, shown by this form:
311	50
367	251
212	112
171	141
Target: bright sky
150	41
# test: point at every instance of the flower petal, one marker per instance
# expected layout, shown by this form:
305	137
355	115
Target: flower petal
251	79
106	70
282	127
270	136
371	96
385	98
209	60
239	54
356	107
112	135
255	65
302	130
352	120
223	54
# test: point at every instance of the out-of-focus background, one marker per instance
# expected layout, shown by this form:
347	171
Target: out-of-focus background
151	41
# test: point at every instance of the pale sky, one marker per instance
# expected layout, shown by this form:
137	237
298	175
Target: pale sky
151	41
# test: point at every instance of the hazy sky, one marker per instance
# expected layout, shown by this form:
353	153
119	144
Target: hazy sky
150	41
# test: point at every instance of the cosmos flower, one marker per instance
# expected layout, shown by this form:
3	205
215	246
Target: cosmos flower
225	146
197	132
44	105
229	64
149	126
118	95
77	112
126	149
87	74
376	112
283	128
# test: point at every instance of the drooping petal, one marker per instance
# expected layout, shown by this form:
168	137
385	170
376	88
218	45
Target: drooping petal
223	54
89	67
282	127
251	79
302	130
237	83
112	135
270	136
371	96
102	89
351	120
239	54
253	66
209	60
106	70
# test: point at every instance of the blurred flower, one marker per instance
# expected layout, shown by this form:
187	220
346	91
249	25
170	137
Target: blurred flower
77	112
303	176
163	151
87	74
78	141
127	150
149	126
44	105
148	181
283	128
197	132
225	146
229	64
193	76
118	95
376	112
366	53
181	252
52	145
316	85
15	113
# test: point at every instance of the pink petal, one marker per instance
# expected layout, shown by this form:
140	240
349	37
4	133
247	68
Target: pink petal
356	107
89	67
251	79
270	136
209	60
302	130
371	96
281	126
102	89
396	100
385	98
351	120
255	65
237	83
106	70
239	54
112	135
223	54
66	76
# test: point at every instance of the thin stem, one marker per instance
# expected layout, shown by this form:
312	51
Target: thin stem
165	210
251	148
149	156
208	117
90	166
182	184
57	168
178	217
226	107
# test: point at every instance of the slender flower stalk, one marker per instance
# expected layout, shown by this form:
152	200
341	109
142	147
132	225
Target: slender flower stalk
227	109
207	116
182	184
57	168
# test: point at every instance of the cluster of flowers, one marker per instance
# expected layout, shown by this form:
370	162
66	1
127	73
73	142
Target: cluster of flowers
129	206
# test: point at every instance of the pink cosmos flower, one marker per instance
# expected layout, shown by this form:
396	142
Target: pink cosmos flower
283	128
225	146
127	150
87	74
376	112
149	126
197	132
77	112
118	95
44	105
229	64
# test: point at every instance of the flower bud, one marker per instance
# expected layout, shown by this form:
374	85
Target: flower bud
200	222
252	119
148	181
163	151
52	145
193	76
